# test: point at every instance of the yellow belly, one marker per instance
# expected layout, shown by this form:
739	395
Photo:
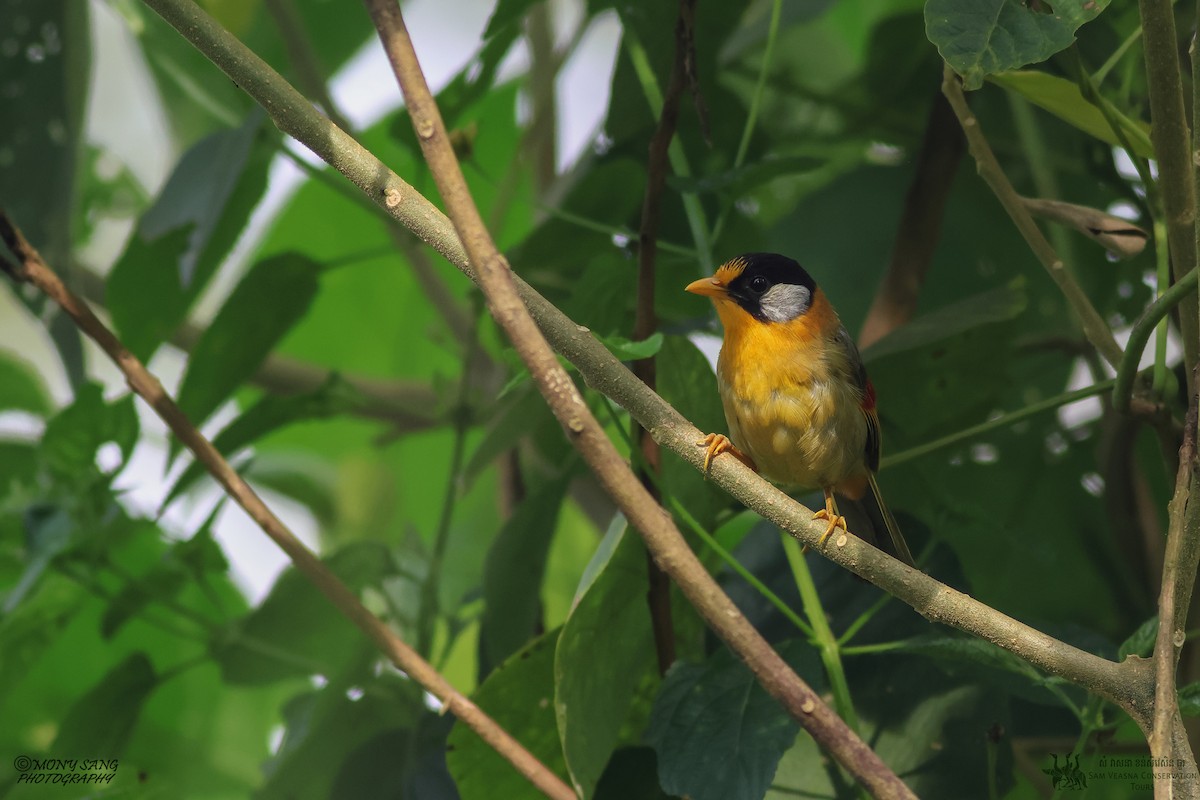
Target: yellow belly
801	422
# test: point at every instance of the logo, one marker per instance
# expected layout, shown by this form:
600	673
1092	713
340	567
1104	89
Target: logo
1067	776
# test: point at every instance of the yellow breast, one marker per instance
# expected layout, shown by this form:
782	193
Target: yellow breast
789	399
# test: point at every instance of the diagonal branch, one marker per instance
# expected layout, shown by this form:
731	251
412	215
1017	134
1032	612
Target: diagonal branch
1128	684
33	269
585	433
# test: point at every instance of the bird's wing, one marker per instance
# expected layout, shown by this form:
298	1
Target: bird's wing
858	374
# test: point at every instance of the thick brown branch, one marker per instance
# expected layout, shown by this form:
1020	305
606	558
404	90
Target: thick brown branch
31	268
655	526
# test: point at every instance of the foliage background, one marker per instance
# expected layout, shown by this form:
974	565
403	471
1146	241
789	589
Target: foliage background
434	480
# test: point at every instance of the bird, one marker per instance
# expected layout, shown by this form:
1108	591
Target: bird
798	403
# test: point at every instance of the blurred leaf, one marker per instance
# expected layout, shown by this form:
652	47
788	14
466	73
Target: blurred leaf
47	69
184	236
48	532
1141	641
269	414
21	388
605	649
1063	99
717	707
982	37
627	350
325	731
632	774
744	178
513	573
304	479
507	12
686	381
296	632
1189	700
75	434
99	724
519	696
271	298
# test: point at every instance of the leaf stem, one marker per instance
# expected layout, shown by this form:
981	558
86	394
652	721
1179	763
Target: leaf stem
1127	370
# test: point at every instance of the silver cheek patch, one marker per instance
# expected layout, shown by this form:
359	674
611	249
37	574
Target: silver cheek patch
783	302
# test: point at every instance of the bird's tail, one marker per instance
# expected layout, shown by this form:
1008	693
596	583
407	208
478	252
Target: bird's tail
880	524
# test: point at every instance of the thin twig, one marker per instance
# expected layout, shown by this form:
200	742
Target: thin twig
1127	684
31	268
646	318
586	434
1127	368
989	169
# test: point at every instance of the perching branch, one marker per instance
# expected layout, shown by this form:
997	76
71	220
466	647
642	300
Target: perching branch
1127	684
989	169
585	433
31	268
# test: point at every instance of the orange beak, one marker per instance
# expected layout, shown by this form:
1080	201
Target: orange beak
709	287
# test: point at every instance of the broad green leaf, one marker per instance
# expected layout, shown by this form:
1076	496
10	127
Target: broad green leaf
717	708
272	297
1063	99
513	572
269	414
183	237
507	12
982	37
632	774
75	434
309	481
519	695
751	176
296	631
99	724
1141	641
21	388
604	651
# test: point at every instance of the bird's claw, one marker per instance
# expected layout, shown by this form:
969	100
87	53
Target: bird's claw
717	443
835	521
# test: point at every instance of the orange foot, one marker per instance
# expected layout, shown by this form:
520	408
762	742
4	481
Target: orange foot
717	443
829	512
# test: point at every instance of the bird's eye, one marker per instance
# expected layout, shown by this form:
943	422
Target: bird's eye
759	284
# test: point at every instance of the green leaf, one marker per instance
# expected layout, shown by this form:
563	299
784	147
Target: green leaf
507	12
627	350
296	631
271	298
518	695
687	382
604	651
48	532
982	37
270	413
632	774
75	434
717	708
1063	99
21	388
99	724
1141	641
183	237
1189	700
513	572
